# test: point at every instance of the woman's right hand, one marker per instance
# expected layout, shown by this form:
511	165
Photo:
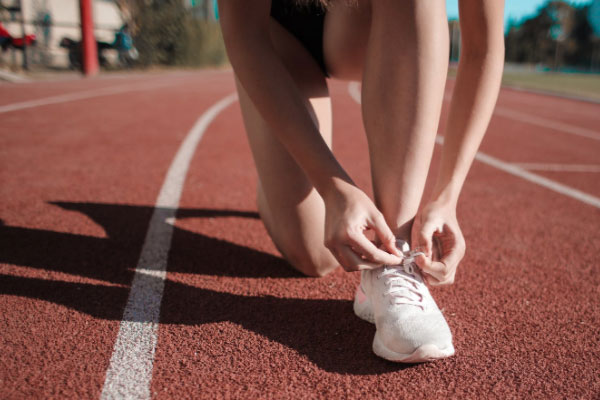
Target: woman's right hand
349	213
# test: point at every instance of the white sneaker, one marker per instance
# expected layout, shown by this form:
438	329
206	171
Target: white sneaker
410	326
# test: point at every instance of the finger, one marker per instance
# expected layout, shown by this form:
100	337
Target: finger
433	271
430	280
449	280
436	269
385	235
428	265
454	255
433	281
350	261
422	262
365	247
425	236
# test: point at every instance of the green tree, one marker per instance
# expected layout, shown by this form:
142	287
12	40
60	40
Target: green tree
558	35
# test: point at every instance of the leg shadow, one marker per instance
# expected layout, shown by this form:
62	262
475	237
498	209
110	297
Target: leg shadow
114	257
326	331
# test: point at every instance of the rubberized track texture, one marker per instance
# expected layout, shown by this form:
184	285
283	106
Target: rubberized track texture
133	262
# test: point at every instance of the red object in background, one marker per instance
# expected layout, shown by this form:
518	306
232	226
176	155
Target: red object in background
88	41
3	31
7	40
28	40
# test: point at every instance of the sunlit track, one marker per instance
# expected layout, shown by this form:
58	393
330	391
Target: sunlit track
134	263
514	169
130	369
546	123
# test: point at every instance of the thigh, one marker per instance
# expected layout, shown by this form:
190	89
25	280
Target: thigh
345	38
290	207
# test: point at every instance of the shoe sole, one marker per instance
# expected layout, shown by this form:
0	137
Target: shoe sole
424	353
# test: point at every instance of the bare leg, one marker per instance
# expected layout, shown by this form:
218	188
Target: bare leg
402	92
290	207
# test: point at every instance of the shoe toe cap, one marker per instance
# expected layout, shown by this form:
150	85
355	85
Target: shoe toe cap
408	334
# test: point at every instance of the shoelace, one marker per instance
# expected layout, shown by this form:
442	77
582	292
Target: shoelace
402	281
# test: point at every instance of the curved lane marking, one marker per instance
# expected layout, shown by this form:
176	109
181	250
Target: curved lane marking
130	369
546	123
354	91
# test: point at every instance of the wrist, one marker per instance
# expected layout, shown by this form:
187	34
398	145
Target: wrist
335	188
446	196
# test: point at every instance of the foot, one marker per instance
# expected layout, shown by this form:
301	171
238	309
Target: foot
410	326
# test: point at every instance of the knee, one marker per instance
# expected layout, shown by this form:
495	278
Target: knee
313	263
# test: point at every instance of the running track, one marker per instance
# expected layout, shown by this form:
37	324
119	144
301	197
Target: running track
124	273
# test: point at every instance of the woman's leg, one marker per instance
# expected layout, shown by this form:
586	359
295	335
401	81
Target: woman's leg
291	209
399	49
402	92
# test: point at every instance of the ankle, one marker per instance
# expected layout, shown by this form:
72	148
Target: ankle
403	232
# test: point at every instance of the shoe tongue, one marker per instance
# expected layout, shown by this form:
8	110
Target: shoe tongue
402	270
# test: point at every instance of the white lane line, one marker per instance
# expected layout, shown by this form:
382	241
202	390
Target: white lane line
559	167
547	123
87	94
130	370
354	91
517	116
534	178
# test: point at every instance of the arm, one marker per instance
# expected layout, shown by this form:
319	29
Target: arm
272	89
475	94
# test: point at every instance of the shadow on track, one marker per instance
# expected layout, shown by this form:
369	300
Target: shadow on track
325	331
114	257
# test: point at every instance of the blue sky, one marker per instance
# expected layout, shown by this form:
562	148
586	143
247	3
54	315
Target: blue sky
515	9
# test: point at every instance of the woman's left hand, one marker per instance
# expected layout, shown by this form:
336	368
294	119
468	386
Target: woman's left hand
436	233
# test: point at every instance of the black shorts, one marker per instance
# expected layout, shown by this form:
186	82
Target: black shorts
306	23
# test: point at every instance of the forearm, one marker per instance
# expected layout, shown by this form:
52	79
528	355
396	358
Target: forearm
278	99
475	94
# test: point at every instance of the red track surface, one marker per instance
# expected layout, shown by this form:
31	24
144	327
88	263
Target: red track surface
79	181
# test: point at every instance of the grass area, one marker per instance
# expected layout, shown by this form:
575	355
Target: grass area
571	84
581	85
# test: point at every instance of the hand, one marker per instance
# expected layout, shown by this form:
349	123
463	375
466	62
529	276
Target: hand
349	213
436	230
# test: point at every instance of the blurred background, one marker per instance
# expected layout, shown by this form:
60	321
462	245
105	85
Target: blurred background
129	34
553	45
